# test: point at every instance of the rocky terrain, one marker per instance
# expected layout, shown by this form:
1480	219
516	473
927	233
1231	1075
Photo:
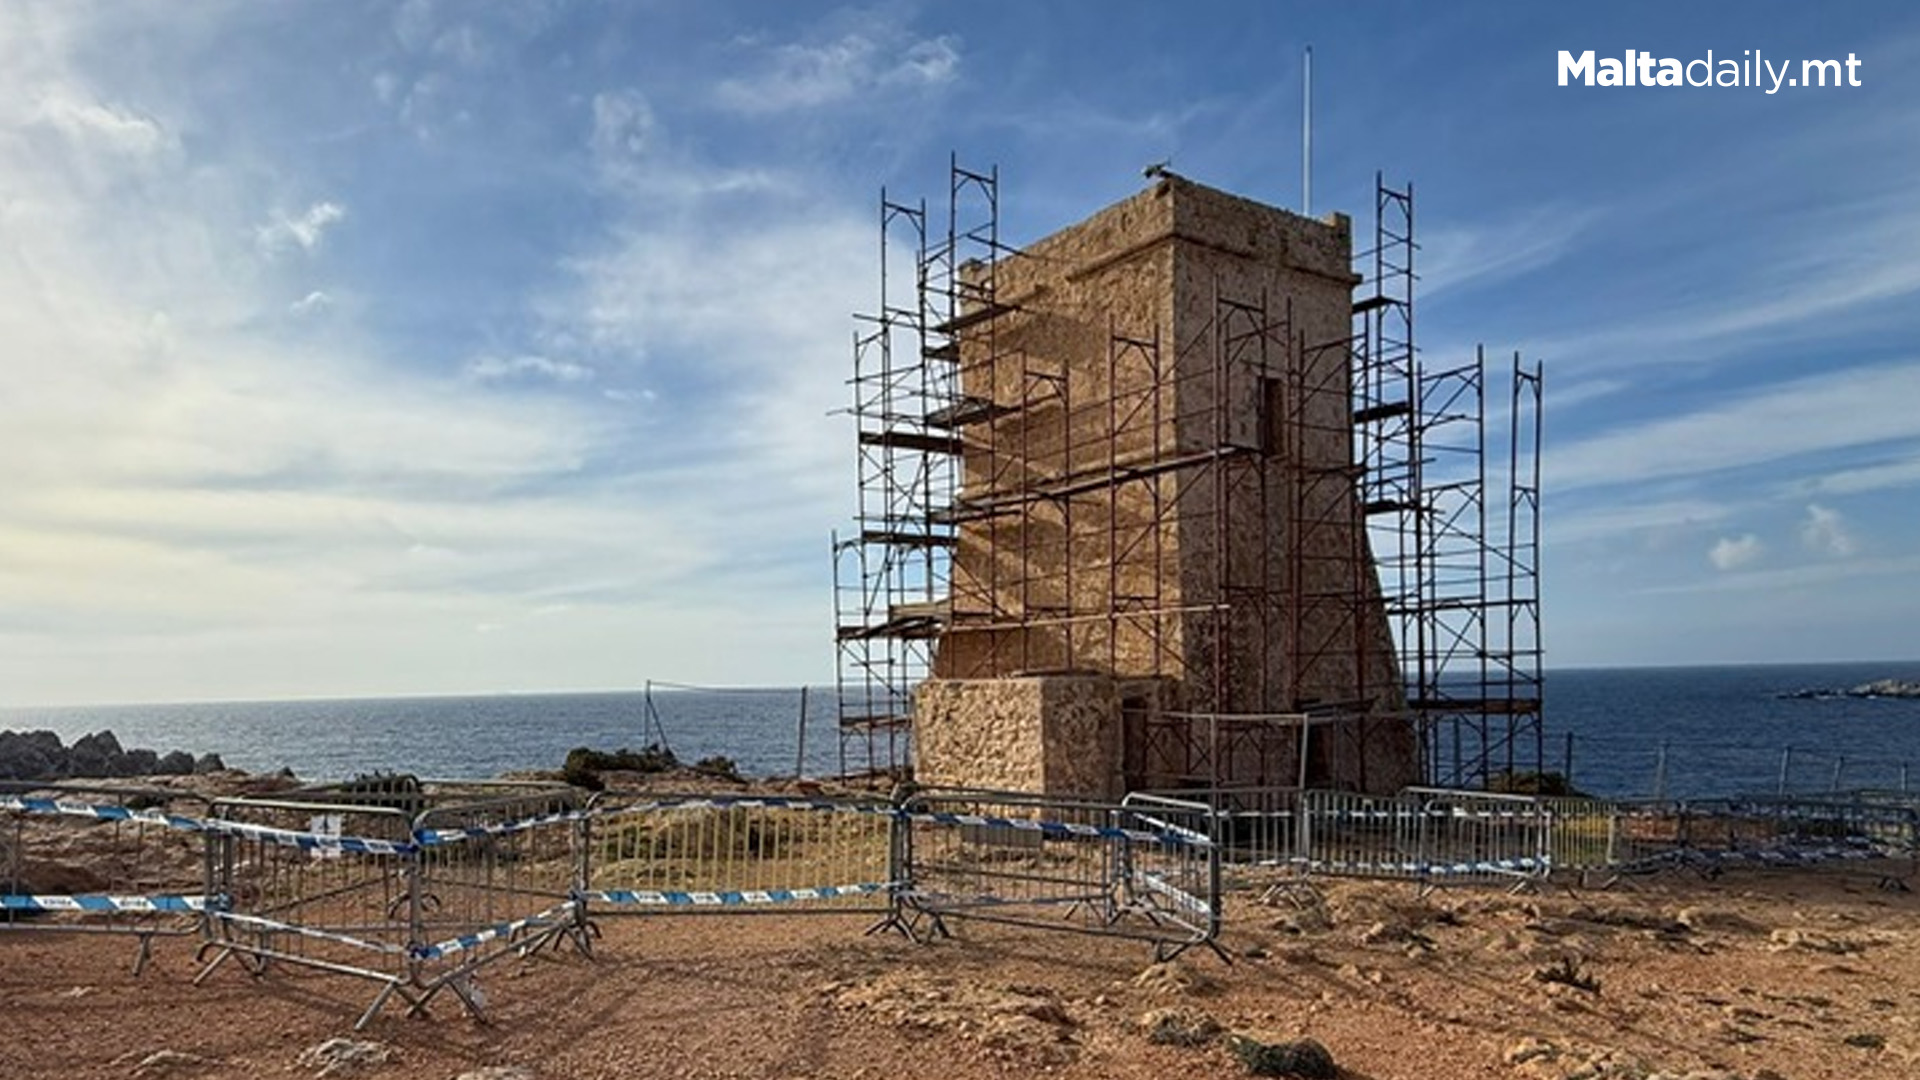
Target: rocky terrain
1879	688
1752	975
40	755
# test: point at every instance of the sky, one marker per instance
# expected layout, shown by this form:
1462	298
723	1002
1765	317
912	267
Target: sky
360	348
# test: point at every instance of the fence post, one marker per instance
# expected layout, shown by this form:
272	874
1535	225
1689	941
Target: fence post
583	865
1839	764
1216	896
411	866
800	741
1302	832
1660	774
900	856
1786	764
1566	768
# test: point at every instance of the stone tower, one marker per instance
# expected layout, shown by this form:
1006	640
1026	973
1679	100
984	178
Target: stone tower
1161	575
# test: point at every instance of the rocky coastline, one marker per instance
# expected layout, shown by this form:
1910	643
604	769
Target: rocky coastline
1879	688
41	755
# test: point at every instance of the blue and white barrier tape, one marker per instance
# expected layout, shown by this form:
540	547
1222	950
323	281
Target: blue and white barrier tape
1169	835
1060	829
732	898
95	904
1778	856
312	841
1416	868
277	926
1157	883
742	802
98	812
1045	828
1418	814
492	933
441	837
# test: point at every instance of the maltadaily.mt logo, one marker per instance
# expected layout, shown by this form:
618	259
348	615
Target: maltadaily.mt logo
1752	69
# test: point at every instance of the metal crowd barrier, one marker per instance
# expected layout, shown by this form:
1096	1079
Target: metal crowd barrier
99	859
331	886
499	875
1427	835
1255	827
1615	839
373	880
1145	868
415	885
683	854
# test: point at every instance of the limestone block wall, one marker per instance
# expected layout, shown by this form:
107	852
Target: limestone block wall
1252	575
1070	406
1058	734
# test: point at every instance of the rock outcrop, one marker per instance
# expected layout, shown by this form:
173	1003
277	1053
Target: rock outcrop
40	755
1878	688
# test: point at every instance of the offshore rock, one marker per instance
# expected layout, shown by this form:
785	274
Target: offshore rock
1879	688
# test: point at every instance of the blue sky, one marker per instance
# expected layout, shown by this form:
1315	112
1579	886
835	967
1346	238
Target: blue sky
371	348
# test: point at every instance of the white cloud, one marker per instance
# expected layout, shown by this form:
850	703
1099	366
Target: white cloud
304	230
1849	256
1824	531
311	304
1769	424
1561	397
1898	473
1454	256
464	45
114	128
1896	570
502	368
1649	521
634	156
207	498
929	62
623	126
802	76
413	24
1735	552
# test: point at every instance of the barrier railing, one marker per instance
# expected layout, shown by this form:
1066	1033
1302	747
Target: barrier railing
374	880
87	859
1146	869
499	873
332	886
1256	827
417	885
1621	838
1430	836
685	854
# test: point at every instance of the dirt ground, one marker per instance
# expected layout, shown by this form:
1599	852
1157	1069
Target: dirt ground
1753	974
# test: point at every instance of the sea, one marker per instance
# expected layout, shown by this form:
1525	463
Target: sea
1677	732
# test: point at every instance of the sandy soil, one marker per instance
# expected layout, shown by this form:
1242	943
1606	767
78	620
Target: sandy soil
1752	974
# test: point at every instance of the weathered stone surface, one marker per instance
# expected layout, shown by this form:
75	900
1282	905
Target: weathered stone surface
1178	1027
342	1057
40	755
1180	575
1057	734
1303	1058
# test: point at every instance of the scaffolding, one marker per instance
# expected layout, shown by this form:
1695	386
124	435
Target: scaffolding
1111	504
893	577
1460	577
